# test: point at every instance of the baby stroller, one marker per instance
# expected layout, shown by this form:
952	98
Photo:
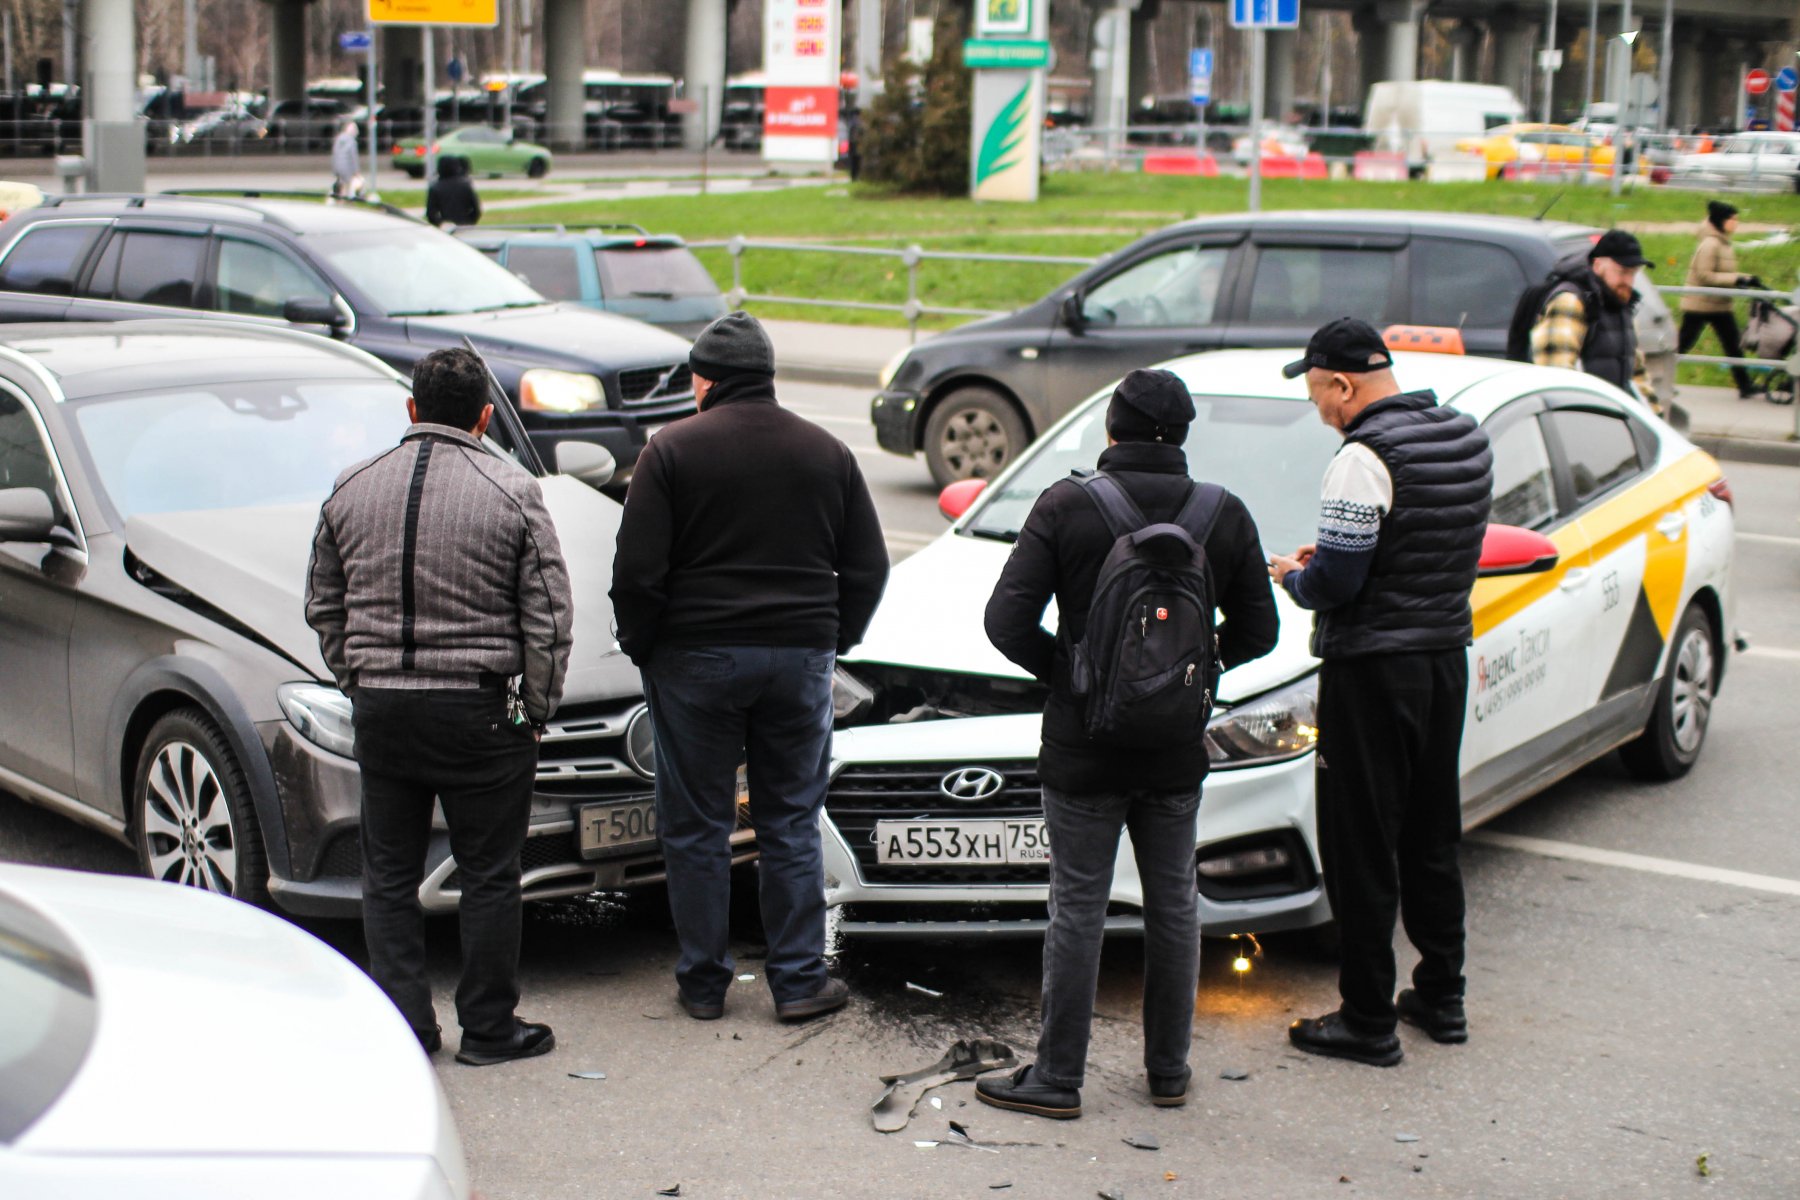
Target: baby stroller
1770	333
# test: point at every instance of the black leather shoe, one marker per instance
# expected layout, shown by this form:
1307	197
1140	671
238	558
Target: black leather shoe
1329	1036
833	996
527	1041
1021	1093
1443	1020
697	1010
431	1040
1170	1091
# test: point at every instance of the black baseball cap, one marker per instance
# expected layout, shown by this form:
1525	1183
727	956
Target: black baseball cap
1347	345
1623	248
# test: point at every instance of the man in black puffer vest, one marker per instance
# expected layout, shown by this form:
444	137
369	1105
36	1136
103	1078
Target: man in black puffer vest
1585	321
1405	507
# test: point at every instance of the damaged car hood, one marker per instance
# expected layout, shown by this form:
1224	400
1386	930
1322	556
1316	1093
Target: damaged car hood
930	618
246	567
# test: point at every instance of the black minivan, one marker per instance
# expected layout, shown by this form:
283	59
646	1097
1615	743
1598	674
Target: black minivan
972	398
384	283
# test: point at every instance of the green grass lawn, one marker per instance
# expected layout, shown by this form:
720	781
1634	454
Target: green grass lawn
1088	215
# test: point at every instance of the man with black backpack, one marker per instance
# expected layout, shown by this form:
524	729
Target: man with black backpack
1138	557
1580	315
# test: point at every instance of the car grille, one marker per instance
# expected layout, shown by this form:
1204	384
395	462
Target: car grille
582	755
861	795
641	385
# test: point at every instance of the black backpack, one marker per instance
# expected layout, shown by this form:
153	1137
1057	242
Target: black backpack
1149	662
1531	306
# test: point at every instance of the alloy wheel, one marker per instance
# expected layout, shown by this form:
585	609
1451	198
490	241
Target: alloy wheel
975	445
1691	697
187	821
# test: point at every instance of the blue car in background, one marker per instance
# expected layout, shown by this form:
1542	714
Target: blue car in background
618	268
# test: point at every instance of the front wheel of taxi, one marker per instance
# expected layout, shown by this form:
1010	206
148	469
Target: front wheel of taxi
1671	742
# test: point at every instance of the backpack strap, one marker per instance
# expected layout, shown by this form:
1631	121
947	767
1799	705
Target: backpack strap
1201	512
1120	511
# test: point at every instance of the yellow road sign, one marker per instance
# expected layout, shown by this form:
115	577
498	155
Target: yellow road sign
434	12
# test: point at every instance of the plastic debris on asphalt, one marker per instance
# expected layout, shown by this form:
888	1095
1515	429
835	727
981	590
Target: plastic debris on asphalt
1112	1193
1235	1074
587	1074
669	1191
964	1059
746	979
1406	1137
1142	1141
924	991
1001	1186
959	1136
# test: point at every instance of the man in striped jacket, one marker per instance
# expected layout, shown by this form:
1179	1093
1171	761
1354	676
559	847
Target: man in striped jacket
436	577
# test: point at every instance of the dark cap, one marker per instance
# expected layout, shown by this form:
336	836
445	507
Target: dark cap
1347	345
1150	406
735	344
1718	212
1621	247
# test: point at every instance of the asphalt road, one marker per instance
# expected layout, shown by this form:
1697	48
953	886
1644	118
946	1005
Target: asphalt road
1631	1010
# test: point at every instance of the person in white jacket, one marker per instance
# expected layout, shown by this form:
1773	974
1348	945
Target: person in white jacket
346	178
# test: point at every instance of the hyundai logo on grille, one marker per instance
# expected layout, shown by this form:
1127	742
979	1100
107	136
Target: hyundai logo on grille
971	785
640	744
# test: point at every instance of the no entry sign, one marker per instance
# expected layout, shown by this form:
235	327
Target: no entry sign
1756	82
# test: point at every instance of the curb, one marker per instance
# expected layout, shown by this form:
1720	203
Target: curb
1785	453
845	376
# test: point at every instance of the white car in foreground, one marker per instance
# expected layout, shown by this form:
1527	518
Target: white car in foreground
1604	625
165	1042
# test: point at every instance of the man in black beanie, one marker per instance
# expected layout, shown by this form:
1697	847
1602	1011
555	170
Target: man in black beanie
749	556
1095	786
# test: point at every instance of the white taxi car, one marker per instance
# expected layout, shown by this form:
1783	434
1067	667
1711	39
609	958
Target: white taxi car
1602	621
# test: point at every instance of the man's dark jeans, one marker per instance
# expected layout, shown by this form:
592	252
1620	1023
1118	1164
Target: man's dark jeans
459	748
1390	822
769	707
1084	844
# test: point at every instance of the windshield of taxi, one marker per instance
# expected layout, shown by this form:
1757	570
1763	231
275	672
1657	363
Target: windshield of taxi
423	273
238	445
1271	453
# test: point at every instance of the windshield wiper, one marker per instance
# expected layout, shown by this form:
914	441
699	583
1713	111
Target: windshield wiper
430	312
654	295
511	304
993	535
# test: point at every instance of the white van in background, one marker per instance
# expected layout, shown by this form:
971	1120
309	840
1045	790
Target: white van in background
1424	118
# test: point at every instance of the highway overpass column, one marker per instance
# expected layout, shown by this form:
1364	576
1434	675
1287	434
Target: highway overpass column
1371	51
114	141
1401	38
1141	70
1513	44
1465	51
401	83
1279	53
1684	77
287	50
705	77
565	44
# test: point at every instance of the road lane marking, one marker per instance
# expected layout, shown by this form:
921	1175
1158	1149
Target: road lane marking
1779	652
1773	539
1571	852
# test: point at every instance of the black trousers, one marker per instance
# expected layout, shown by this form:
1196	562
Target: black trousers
458	748
1693	324
1390	820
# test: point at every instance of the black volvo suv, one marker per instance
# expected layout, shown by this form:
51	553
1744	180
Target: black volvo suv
380	281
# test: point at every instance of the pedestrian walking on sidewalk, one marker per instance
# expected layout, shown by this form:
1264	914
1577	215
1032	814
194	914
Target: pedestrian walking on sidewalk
1714	265
1142	767
435	579
749	556
346	178
451	198
1404	509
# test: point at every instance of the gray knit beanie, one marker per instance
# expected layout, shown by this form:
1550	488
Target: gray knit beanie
735	344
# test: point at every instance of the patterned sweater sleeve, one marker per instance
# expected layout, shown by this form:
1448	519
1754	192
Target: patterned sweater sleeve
1358	492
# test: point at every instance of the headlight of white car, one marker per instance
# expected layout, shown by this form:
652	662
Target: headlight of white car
544	390
1280	725
893	367
850	696
321	714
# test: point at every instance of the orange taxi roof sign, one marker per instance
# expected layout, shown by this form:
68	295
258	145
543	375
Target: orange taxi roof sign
1427	339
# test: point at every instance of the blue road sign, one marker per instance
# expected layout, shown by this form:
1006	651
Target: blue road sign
356	39
1265	14
1786	79
1200	71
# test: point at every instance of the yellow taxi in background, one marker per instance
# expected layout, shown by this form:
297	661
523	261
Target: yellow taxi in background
1556	145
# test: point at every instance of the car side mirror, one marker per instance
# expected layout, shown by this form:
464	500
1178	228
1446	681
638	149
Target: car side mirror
1072	314
955	500
591	464
26	515
312	310
1510	550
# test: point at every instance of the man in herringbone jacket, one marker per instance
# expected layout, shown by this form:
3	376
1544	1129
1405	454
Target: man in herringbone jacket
436	577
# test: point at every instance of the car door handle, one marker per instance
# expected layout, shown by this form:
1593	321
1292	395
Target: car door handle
1671	525
1575	578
